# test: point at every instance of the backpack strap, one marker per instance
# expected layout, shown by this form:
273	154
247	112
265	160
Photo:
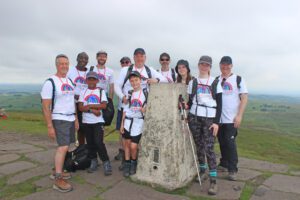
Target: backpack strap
53	93
129	97
127	75
238	81
148	70
71	82
194	88
213	87
145	92
92	68
173	74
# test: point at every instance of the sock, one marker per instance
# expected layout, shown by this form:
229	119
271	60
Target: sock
213	173
203	167
133	160
127	161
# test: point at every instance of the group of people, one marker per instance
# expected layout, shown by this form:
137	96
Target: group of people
73	100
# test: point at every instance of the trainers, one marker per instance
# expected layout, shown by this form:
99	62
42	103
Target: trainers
107	168
119	155
222	169
62	185
65	175
213	188
133	165
94	166
126	169
232	176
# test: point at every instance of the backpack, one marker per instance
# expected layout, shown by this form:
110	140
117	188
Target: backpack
238	80
130	68
53	91
212	87
109	112
145	92
173	74
77	159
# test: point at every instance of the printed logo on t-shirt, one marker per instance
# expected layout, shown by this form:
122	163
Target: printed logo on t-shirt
136	104
101	77
66	87
80	79
92	99
227	88
203	89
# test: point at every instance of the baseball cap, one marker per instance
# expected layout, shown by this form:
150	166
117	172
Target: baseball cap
135	73
226	60
139	50
125	58
205	59
92	74
101	52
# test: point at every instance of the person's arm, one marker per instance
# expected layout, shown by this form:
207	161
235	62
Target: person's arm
119	84
111	91
122	123
242	107
46	106
218	109
157	77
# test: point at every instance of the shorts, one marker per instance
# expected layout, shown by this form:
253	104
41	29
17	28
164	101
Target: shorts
134	139
65	132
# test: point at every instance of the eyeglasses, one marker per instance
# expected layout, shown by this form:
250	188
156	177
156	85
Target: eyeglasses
125	62
166	59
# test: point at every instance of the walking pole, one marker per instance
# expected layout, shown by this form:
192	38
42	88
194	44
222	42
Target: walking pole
184	118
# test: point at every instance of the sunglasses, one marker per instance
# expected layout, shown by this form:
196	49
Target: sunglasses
125	62
166	59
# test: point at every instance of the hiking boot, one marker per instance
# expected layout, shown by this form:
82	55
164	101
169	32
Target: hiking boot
222	169
94	166
119	156
126	169
203	177
133	165
213	188
65	175
62	185
232	176
107	168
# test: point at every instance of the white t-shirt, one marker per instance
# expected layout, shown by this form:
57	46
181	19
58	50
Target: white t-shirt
124	91
64	102
204	98
134	111
78	78
168	75
88	97
231	98
106	77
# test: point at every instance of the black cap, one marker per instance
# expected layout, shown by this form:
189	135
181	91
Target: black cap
205	59
92	74
139	50
134	73
164	55
226	60
182	62
125	58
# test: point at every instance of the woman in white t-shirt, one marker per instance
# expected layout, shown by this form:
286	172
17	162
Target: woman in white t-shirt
205	99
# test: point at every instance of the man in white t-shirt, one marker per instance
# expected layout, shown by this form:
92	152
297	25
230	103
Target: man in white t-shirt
165	70
234	101
60	115
105	74
78	74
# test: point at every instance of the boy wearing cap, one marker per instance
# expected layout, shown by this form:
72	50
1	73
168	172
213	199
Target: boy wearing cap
234	101
91	102
132	122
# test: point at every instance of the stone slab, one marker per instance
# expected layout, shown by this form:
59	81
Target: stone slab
45	157
262	165
5	158
14	167
15	147
263	193
242	175
23	176
284	183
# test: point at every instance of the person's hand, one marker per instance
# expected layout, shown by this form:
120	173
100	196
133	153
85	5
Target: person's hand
215	128
76	124
86	107
51	132
143	109
122	129
237	121
96	112
125	100
152	80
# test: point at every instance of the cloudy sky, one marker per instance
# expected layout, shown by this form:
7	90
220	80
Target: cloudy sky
262	37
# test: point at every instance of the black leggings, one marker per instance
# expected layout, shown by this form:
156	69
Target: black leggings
94	138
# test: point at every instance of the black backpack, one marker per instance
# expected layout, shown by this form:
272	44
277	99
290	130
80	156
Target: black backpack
173	74
212	87
77	159
109	112
130	68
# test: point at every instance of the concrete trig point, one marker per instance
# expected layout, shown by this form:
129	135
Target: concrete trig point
165	158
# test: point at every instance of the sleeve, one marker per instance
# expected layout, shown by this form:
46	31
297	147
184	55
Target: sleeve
243	89
103	97
81	97
119	83
111	78
47	90
219	108
156	74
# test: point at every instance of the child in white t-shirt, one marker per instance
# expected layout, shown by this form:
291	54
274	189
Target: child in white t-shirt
132	122
91	102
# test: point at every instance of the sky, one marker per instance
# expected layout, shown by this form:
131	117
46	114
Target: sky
262	37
